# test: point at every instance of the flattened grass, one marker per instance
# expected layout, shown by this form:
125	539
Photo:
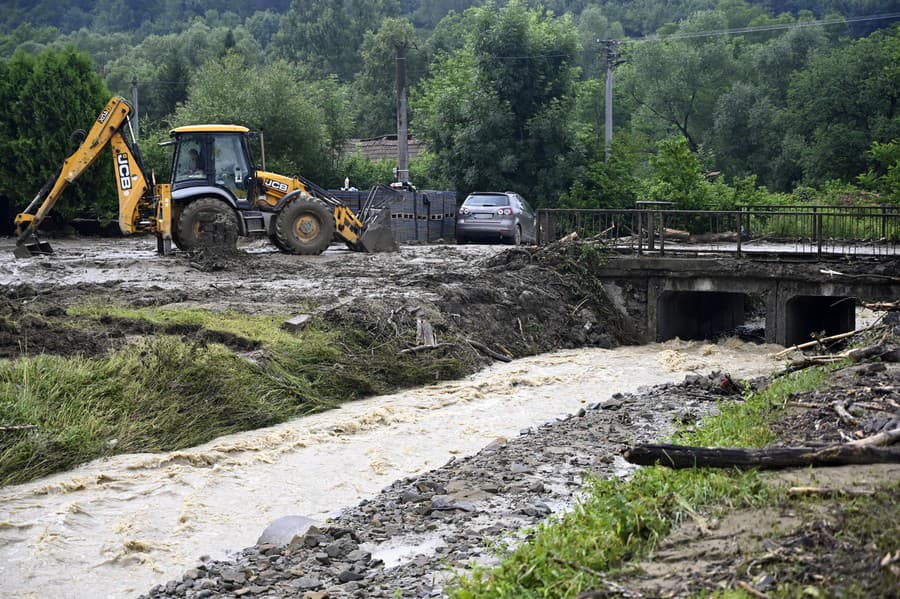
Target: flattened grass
167	392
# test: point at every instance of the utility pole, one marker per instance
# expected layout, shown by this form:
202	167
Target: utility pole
402	123
612	61
134	103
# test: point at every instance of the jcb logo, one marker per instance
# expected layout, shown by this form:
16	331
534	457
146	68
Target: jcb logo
123	169
103	115
276	185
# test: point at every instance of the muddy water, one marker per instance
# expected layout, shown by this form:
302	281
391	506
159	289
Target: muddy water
118	526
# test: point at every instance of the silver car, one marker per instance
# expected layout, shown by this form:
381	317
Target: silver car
496	216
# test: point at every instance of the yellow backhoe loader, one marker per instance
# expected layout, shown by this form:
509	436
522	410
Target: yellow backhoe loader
214	196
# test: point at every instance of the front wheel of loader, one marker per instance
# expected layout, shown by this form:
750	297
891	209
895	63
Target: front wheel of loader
305	226
207	223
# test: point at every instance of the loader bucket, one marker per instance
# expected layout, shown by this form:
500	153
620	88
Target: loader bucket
27	250
377	236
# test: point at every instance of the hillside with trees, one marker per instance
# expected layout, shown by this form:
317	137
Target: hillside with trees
785	101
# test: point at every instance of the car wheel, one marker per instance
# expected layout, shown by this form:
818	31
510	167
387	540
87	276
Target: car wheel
516	238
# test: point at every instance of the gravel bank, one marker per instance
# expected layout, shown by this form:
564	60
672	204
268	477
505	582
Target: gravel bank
408	540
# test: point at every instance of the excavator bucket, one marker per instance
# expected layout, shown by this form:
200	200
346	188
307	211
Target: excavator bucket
27	250
377	236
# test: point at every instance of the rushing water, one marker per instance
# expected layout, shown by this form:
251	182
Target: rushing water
116	527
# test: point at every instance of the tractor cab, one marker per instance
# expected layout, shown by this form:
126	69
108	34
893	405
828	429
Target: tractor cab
213	159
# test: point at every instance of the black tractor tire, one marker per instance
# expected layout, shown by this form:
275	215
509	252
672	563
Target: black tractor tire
305	226
274	239
207	223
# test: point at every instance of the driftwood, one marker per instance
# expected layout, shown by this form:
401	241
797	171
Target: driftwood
488	351
845	416
751	591
883	306
684	456
829	491
18	427
418	348
808	344
883	438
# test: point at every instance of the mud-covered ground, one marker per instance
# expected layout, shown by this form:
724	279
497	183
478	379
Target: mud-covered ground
514	305
508	304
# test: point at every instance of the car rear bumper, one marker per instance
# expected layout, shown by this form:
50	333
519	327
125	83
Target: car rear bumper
470	227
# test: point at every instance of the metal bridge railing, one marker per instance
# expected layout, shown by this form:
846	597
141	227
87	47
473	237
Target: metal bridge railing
654	227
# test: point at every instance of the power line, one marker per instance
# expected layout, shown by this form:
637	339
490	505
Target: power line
772	27
696	34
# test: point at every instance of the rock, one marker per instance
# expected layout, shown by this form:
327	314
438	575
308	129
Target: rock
358	555
340	548
307	583
349	576
283	530
297	323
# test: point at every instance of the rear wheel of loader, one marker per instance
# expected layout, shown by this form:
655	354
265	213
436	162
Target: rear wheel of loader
305	226
207	223
274	239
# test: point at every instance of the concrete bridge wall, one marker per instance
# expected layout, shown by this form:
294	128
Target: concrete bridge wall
696	298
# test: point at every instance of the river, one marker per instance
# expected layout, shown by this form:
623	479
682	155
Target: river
116	527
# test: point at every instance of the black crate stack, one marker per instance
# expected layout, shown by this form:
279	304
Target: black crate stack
416	216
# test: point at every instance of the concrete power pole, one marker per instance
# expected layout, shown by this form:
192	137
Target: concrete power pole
134	102
612	61
402	123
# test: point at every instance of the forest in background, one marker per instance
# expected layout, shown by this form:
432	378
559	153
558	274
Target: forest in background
715	102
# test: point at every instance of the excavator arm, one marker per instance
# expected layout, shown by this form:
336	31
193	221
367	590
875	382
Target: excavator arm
139	210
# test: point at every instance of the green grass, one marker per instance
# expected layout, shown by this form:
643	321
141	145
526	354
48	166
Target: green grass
622	520
164	392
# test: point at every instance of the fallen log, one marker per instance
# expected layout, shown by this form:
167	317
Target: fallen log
488	351
815	342
883	438
420	348
685	456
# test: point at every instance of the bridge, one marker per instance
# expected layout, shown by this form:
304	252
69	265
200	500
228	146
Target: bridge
697	274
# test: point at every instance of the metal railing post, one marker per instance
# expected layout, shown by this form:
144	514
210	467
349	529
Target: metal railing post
662	233
817	216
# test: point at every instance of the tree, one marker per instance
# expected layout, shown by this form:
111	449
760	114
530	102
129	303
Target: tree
376	107
676	83
611	183
678	176
750	118
842	103
327	34
47	98
883	175
496	112
276	98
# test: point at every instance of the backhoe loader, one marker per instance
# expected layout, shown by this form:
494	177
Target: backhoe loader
214	196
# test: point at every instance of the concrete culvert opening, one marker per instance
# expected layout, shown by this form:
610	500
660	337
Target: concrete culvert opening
810	315
699	314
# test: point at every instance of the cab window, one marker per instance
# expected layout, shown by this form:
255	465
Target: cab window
189	162
231	163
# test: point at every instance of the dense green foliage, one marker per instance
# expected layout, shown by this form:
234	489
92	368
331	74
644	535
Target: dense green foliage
507	94
46	98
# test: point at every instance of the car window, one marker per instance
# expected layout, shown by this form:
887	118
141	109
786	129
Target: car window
525	205
486	200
